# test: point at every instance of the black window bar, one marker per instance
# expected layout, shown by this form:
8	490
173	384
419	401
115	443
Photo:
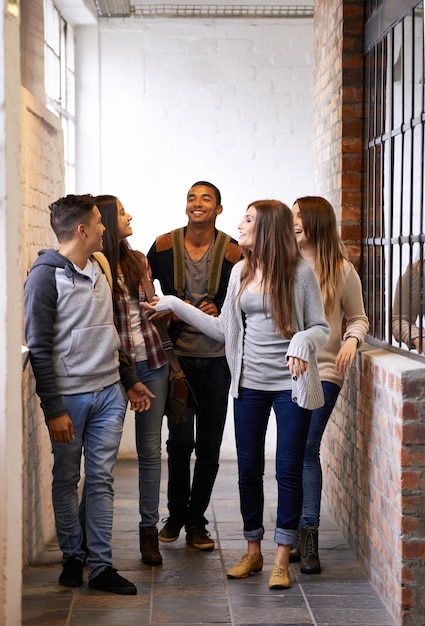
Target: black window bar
393	188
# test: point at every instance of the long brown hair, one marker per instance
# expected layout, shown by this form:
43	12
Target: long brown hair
321	231
119	252
276	254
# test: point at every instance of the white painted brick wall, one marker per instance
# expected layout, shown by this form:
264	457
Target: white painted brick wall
42	182
185	99
230	101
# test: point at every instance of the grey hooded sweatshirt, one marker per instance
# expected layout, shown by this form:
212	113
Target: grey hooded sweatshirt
69	330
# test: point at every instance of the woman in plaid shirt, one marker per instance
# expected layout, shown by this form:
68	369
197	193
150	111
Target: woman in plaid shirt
142	344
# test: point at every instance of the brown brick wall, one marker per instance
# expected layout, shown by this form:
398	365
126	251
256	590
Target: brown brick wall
373	451
373	457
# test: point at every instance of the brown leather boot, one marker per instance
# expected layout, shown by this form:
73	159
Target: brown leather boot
149	546
309	547
295	554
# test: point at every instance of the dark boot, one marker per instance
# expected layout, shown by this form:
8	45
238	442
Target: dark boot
149	546
84	547
309	547
295	554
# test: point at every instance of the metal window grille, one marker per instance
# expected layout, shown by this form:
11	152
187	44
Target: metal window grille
394	190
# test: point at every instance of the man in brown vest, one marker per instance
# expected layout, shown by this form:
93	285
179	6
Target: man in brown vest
194	263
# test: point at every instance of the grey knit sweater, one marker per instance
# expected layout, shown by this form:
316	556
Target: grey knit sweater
309	322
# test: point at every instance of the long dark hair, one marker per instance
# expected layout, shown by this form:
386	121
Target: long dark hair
321	230
119	253
276	254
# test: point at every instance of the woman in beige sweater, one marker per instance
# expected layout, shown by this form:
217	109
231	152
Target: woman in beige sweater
407	307
321	246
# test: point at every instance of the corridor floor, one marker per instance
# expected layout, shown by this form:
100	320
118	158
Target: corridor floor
191	586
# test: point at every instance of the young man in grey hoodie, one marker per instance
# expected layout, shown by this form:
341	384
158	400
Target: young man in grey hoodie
77	364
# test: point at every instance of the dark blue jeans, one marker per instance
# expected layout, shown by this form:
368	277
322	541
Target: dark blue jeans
312	472
203	432
251	412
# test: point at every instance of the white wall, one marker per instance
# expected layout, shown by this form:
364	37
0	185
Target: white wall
42	176
181	100
10	321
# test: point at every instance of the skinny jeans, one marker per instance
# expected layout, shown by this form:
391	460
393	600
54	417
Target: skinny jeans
312	469
148	426
251	415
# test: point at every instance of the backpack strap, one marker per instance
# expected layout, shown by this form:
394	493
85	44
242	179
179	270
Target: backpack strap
177	240
219	250
104	266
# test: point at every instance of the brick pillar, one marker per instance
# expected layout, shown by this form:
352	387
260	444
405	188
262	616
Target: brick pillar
338	62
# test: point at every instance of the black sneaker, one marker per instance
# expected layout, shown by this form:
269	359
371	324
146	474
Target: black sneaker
200	538
170	532
110	580
72	573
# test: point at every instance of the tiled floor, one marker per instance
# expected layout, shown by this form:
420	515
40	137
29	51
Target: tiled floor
191	587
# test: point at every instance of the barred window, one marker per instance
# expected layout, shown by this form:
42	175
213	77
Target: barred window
59	73
393	236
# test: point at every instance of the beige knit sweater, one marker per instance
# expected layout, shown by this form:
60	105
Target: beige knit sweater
348	304
404	320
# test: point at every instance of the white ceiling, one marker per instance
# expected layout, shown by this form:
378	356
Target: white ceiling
78	12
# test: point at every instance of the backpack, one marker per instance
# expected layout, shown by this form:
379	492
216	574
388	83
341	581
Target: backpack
219	250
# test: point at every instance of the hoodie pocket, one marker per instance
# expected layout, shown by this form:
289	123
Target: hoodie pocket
92	351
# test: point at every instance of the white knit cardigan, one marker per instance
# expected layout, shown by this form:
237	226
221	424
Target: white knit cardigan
309	323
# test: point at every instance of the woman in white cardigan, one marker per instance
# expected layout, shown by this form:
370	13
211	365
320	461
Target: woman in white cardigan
273	324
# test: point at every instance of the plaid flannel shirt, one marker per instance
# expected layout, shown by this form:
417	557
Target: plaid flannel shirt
155	352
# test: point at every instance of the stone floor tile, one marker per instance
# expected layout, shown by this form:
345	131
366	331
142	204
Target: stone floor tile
277	616
46	618
109	617
188	609
191	586
352	617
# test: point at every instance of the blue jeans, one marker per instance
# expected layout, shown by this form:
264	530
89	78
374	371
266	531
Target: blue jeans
251	413
210	381
98	419
148	442
312	472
